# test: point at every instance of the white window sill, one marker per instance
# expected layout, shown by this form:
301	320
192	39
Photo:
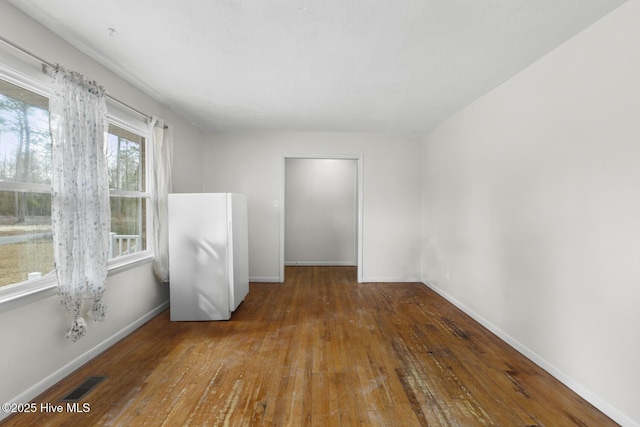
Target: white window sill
19	294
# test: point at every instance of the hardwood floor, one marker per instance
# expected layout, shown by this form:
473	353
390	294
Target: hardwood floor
321	350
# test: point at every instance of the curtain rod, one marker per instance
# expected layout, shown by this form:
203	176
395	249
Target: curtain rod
46	64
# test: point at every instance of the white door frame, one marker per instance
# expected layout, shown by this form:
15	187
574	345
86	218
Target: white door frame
359	189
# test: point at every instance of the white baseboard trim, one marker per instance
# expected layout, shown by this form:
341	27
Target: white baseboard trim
265	279
364	279
321	263
390	279
578	388
48	382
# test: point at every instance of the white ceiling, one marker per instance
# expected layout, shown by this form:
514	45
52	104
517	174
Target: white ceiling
316	65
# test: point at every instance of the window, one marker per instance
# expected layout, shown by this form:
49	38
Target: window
126	162
25	185
26	247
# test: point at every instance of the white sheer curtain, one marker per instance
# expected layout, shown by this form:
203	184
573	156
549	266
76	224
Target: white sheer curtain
161	148
80	195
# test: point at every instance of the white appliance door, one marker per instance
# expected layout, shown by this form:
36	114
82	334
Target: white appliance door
198	259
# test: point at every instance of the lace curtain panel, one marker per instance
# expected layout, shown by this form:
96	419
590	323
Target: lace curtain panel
80	195
162	151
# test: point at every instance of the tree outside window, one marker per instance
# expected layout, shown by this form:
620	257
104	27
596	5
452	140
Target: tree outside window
26	250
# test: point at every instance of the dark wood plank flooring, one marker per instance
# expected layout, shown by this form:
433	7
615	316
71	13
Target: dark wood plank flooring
320	350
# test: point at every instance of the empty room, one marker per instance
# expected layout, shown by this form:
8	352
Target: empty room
428	212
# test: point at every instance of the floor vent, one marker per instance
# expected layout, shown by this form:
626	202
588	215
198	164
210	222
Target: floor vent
84	389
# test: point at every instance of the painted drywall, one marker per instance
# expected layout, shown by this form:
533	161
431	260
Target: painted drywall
35	352
252	163
531	212
320	211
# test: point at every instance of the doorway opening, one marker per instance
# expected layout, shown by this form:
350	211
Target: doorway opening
321	217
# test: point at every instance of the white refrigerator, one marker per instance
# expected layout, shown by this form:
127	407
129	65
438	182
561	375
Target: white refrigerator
208	255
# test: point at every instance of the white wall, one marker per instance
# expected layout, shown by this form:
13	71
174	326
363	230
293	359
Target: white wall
252	163
532	212
35	353
320	211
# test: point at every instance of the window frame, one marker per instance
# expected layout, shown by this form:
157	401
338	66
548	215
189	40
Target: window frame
138	130
25	292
